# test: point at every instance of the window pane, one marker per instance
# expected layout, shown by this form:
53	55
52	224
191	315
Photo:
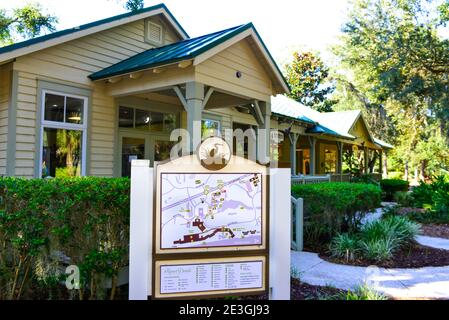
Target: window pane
132	149
54	107
61	153
157	121
143	119
210	128
74	110
162	150
169	122
126	117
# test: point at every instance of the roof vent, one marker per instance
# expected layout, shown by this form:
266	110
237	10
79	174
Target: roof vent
155	33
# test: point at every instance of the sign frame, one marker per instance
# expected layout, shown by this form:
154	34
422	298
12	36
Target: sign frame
194	167
191	164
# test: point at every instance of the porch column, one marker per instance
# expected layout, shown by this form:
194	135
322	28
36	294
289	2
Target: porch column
293	137
365	159
194	108
263	135
312	142
380	163
340	146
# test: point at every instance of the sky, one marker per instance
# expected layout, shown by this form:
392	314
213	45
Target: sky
284	25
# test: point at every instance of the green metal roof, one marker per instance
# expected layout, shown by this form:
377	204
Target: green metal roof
61	33
172	53
176	52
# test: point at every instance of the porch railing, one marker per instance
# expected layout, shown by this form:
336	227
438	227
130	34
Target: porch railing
343	177
310	179
297	234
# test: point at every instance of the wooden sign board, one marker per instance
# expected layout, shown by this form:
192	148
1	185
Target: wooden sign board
210	223
220	276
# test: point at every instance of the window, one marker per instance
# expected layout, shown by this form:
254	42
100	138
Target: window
330	161
144	120
210	128
154	33
63	135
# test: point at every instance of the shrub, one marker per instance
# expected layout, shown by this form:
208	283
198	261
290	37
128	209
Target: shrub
391	186
83	219
364	293
377	240
344	246
404	199
365	178
332	208
396	228
435	198
378	249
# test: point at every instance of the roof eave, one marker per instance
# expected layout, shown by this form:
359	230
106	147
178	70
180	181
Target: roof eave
59	37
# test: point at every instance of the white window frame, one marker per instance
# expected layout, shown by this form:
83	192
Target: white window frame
64	125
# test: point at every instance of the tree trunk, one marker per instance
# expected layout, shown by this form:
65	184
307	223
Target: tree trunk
406	173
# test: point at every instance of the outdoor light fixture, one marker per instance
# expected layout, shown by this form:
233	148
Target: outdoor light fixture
238	74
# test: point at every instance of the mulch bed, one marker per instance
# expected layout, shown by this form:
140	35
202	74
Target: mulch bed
435	230
304	291
413	255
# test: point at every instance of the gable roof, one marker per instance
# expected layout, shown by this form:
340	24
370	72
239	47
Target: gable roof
55	38
189	49
337	124
341	121
288	107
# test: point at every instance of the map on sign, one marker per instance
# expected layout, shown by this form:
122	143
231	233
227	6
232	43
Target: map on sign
200	210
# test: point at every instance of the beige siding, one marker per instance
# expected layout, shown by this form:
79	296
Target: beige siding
5	90
220	71
70	63
26	124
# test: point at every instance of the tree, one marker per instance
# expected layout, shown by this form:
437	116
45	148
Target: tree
134	5
24	23
394	61
309	81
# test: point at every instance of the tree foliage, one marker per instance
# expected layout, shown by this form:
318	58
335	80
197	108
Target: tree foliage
26	22
395	65
308	77
134	5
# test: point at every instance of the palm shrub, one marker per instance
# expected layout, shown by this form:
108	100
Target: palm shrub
435	198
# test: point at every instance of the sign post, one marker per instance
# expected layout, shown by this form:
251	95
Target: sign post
202	230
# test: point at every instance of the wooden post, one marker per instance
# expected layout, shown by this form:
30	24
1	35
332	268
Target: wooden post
194	108
312	143
280	237
141	230
293	137
263	135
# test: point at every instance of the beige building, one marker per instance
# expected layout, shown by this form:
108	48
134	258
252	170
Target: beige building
88	100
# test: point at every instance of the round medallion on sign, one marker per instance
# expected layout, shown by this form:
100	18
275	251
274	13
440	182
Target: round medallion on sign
214	153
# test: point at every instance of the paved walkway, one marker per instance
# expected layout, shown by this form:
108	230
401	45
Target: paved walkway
423	283
420	283
438	243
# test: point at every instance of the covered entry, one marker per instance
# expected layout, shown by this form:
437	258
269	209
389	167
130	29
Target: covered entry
173	86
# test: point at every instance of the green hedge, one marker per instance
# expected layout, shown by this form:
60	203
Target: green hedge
44	220
331	208
391	186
